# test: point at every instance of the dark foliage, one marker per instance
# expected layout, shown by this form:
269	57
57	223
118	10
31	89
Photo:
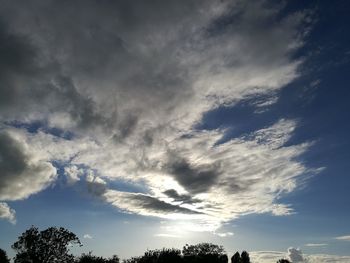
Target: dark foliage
240	258
89	258
283	261
236	258
204	252
50	245
245	257
3	257
164	255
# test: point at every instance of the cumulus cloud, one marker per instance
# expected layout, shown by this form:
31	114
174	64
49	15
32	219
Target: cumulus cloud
130	81
22	171
73	174
7	213
295	255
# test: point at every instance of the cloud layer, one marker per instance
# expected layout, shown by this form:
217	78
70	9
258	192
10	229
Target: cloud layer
295	255
114	91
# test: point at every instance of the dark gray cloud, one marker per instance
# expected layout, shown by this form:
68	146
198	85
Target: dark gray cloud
153	204
194	178
188	199
144	204
17	67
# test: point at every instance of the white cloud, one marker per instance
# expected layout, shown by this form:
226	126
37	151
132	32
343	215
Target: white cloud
87	236
316	245
7	213
343	238
73	174
223	234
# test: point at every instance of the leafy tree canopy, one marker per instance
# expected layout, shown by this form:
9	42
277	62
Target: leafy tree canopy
47	246
202	249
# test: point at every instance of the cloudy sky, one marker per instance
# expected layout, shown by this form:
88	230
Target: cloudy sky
143	124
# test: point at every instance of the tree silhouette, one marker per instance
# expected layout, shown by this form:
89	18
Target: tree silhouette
245	257
204	252
165	255
162	256
236	258
89	258
283	261
46	246
3	256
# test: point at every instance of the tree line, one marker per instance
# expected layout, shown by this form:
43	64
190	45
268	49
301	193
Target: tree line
51	246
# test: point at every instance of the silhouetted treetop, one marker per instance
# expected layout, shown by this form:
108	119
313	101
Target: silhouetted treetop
3	256
50	245
245	257
203	249
283	261
204	252
236	258
89	258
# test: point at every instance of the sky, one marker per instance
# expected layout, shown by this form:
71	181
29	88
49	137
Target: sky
147	124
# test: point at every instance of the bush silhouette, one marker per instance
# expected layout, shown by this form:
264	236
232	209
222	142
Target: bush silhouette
3	256
283	261
46	246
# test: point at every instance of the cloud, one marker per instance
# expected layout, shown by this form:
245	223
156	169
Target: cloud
273	256
23	173
87	236
131	81
343	238
144	204
73	174
7	213
295	255
316	245
225	234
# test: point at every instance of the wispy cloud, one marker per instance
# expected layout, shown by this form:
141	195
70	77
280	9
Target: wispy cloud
343	238
87	236
223	234
316	245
